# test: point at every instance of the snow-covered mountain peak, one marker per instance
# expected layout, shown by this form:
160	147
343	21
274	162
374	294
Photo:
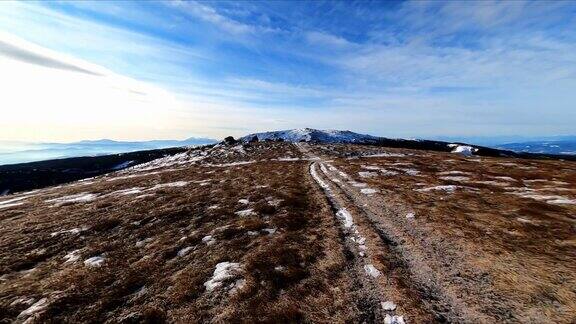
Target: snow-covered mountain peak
311	135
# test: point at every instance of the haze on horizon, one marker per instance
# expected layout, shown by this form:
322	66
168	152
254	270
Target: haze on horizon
76	70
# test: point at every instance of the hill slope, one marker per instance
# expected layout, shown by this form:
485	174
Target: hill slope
305	232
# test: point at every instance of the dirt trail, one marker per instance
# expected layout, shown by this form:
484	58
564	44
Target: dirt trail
410	266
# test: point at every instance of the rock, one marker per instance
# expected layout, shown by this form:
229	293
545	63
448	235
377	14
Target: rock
254	139
230	140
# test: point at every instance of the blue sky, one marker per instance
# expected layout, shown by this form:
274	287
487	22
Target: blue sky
174	69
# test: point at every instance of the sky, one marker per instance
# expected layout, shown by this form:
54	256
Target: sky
175	69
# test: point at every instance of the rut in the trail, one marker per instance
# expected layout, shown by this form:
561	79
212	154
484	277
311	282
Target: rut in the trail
365	291
424	295
433	296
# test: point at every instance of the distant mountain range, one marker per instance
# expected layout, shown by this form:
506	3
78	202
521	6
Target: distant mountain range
18	152
14	152
548	147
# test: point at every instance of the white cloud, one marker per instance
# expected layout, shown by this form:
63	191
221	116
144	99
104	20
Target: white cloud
320	38
41	102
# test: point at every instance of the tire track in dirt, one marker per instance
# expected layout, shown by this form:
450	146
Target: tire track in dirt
432	298
365	292
436	298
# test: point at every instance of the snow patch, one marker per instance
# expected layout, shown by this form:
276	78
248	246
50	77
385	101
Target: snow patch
447	188
35	308
95	261
208	240
81	197
122	165
223	271
184	251
246	212
455	178
393	319
72	256
465	150
368	191
367	174
388	306
345	217
170	185
372	271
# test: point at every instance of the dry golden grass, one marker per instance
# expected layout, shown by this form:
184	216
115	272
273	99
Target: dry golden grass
295	274
513	257
517	252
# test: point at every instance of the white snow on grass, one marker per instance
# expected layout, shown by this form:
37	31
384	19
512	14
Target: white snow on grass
367	174
225	165
270	231
371	167
345	217
323	168
144	242
128	191
394	319
213	207
316	177
493	183
274	202
170	185
411	172
35	308
551	199
72	256
73	231
246	212
123	165
244	201
176	159
505	178
454	173
130	176
81	197
209	240
455	178
12	202
389	172
184	251
288	159
368	191
6	205
447	188
383	155
95	261
410	215
372	271
465	150
224	271
357	184
388	305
